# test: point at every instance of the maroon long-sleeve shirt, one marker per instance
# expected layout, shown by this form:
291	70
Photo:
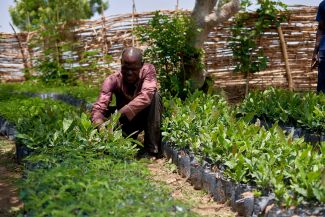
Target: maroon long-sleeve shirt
130	99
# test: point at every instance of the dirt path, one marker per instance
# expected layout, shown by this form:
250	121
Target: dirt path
9	174
200	202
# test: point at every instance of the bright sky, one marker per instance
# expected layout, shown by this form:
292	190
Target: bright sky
125	6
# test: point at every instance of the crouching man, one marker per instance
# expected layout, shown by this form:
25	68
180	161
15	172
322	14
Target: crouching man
137	100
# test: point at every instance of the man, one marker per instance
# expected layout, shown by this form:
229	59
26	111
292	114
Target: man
319	51
135	88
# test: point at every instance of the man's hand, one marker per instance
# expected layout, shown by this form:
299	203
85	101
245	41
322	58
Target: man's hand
314	61
123	119
99	125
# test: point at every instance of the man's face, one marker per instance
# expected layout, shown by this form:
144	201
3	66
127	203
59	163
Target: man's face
130	71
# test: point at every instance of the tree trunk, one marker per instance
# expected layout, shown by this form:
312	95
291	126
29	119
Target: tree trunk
206	15
29	51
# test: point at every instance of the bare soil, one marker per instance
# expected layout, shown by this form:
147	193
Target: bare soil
10	172
200	202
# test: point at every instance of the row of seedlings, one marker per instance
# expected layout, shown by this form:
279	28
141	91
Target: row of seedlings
75	170
261	172
301	114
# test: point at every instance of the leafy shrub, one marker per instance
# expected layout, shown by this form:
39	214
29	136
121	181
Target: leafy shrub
169	50
248	54
55	23
53	72
89	66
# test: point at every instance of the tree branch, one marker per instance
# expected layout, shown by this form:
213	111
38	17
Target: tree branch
222	14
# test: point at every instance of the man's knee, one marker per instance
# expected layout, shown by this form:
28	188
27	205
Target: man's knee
157	101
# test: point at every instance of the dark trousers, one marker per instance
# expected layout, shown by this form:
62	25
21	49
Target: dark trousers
149	121
321	73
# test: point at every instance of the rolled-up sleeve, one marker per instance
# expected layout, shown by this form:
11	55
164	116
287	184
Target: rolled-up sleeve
104	99
144	97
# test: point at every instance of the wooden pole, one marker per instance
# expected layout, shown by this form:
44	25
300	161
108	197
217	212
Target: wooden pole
133	12
247	84
29	51
21	47
286	59
104	38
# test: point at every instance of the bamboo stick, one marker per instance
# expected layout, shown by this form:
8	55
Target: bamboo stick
21	47
133	12
285	56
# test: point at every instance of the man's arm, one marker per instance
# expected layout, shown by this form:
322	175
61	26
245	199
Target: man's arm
144	97
319	34
320	30
104	99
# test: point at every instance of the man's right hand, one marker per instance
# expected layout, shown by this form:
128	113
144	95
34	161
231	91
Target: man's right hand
101	126
314	61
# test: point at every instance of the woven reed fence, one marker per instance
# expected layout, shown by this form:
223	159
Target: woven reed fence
299	34
11	61
112	34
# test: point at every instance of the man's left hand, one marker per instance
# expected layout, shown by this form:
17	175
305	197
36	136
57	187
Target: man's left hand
123	119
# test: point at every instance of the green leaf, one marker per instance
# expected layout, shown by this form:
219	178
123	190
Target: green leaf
85	121
66	124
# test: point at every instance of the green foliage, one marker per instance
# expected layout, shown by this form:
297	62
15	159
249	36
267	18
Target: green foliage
268	159
54	22
185	125
169	50
76	170
100	187
248	54
306	110
30	14
53	72
90	62
88	92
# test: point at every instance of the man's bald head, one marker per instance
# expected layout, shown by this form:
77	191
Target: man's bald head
132	55
131	63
